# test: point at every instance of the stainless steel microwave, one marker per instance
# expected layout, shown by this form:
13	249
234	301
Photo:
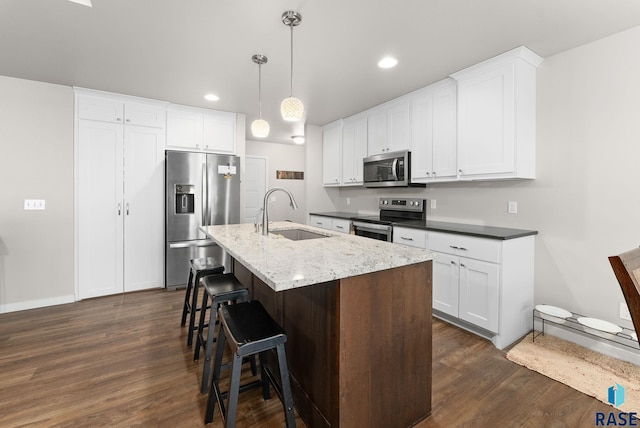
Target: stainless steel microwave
388	170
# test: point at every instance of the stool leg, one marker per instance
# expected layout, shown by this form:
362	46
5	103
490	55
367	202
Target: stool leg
215	396
208	350
201	324
266	394
194	308
185	308
287	399
234	389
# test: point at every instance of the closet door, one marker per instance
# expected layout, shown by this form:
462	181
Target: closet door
100	214
143	208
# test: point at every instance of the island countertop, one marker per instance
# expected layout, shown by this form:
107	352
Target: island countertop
284	264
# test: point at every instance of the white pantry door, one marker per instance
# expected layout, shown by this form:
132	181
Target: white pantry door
255	187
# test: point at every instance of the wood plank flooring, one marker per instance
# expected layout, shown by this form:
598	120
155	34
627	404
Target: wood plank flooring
122	361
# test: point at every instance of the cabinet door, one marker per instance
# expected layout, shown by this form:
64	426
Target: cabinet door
184	129
478	298
377	139
354	149
331	153
444	153
486	120
219	132
102	109
144	115
421	106
100	209
341	225
143	208
398	125
445	283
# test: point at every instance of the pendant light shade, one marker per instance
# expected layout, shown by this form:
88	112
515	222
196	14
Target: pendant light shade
291	108
260	127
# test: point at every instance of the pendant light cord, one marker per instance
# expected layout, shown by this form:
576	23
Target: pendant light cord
291	27
260	91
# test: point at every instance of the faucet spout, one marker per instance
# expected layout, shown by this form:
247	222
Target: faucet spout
265	214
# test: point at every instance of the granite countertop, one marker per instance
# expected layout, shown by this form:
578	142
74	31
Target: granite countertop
284	264
491	232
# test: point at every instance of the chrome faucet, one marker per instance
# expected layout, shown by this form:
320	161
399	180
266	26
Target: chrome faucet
265	215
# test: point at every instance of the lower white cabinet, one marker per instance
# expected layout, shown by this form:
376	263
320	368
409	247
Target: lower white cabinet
329	223
485	284
120	209
411	237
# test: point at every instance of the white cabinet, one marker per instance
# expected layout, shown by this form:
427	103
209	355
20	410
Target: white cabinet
497	117
332	153
483	284
433	133
330	223
354	149
388	127
197	129
120	203
411	237
121	111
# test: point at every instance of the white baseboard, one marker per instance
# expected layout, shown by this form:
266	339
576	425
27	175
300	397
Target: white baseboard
33	304
594	343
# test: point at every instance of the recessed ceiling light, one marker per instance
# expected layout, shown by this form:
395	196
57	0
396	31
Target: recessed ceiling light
387	62
211	97
298	139
83	2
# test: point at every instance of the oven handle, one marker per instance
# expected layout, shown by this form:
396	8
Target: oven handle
372	227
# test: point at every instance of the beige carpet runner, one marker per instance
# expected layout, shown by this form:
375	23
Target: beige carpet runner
580	368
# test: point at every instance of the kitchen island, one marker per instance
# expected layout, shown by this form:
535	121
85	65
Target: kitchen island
357	313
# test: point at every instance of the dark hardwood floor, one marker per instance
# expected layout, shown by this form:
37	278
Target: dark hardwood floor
122	361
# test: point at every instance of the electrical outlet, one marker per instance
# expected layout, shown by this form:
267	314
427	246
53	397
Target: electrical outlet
348	201
624	312
513	207
433	204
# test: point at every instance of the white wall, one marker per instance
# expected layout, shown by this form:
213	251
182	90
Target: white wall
585	202
36	162
282	157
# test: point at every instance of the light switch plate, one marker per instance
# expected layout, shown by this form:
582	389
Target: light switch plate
433	204
34	204
513	207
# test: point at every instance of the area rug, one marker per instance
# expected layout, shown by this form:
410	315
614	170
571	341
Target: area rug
580	368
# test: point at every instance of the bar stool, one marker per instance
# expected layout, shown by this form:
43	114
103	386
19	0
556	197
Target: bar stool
250	330
220	288
199	268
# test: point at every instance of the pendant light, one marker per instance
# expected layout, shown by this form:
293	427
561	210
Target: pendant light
291	108
260	127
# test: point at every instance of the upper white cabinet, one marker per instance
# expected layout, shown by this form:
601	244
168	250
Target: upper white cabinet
121	111
199	129
354	149
332	153
388	127
497	117
433	133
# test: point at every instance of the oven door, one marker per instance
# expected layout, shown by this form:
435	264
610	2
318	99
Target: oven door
381	232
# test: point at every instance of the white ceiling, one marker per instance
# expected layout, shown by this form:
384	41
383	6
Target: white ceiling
178	50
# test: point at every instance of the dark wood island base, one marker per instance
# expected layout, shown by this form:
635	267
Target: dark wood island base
359	348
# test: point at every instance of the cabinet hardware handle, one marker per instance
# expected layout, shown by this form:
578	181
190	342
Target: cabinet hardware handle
339	227
457	248
453	263
406	239
127	208
128	120
119	209
461	171
433	173
462	265
118	119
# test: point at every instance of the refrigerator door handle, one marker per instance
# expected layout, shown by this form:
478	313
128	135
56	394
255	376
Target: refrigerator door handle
197	243
205	199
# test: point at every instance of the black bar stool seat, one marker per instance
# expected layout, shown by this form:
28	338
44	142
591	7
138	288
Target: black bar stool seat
250	330
199	268
221	288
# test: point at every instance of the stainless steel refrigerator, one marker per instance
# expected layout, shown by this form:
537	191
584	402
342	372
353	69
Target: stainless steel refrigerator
201	189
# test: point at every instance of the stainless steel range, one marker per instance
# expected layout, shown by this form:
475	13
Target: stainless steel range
392	211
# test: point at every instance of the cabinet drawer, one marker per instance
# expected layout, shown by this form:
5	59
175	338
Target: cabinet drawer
320	221
466	246
341	225
411	237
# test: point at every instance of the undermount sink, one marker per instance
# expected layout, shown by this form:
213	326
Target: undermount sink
298	234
